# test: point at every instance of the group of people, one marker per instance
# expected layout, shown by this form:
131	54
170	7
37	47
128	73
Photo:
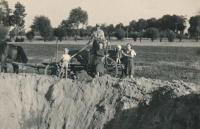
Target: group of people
128	59
98	53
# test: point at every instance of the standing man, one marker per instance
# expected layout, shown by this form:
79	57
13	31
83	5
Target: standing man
129	60
96	37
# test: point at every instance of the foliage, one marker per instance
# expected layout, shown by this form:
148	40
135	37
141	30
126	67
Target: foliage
78	16
59	33
22	33
110	30
75	32
135	35
152	33
141	25
132	24
83	32
13	33
104	28
43	25
173	22
180	36
119	34
152	23
89	30
30	35
197	32
194	28
5	13
67	26
18	17
119	26
3	32
19	39
162	34
170	35
140	35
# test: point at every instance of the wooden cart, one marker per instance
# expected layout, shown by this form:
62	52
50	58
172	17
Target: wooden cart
81	61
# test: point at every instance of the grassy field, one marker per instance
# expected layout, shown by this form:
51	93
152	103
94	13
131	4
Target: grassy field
165	62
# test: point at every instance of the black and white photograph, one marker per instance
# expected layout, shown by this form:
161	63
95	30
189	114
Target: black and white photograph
99	64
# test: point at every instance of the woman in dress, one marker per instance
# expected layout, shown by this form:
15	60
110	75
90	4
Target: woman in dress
98	64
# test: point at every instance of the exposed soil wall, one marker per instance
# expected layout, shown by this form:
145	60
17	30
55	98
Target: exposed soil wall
30	101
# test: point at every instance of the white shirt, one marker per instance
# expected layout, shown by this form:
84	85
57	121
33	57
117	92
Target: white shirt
66	57
132	54
98	34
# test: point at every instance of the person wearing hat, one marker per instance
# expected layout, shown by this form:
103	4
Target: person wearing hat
96	37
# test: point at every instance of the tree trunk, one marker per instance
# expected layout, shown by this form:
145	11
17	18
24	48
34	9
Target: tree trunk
160	39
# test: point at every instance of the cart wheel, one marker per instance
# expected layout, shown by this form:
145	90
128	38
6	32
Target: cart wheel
111	67
53	69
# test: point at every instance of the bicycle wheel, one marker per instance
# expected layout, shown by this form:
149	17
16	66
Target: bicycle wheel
110	67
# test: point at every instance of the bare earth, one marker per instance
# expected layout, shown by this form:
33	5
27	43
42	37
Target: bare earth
31	101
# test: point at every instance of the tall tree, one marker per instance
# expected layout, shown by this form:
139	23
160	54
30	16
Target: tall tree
12	33
181	23
152	33
162	34
104	28
78	16
30	35
174	22
18	17
119	26
194	28
59	33
119	33
5	12
67	25
3	32
89	30
133	25
141	25
43	25
166	23
110	30
152	23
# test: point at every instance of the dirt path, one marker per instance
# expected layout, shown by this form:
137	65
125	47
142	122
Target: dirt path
184	43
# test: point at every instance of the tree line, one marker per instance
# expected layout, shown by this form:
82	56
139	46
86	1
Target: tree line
168	26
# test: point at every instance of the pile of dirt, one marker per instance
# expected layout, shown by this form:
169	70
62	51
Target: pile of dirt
37	101
80	76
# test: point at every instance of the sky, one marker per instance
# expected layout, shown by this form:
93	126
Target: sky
107	11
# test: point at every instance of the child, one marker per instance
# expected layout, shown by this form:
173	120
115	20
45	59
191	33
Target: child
119	54
65	60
